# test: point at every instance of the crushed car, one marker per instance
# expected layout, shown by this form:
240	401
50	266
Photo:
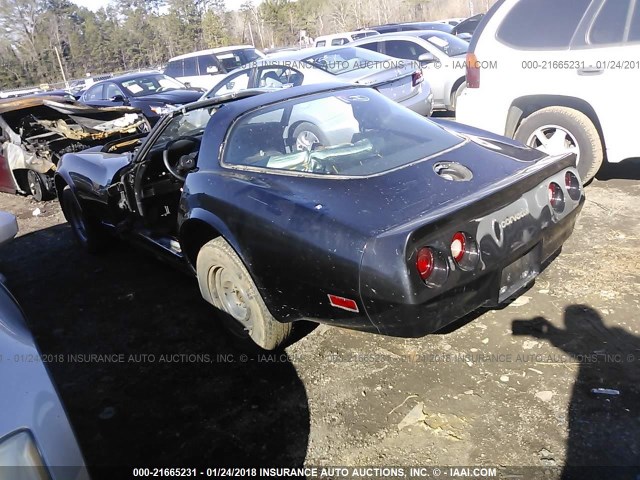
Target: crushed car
36	131
387	222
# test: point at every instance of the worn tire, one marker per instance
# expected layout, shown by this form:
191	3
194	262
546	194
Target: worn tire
311	128
38	186
577	124
226	284
88	233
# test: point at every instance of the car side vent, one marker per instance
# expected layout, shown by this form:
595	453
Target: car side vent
453	171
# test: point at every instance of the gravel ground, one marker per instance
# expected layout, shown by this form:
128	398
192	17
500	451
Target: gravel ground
508	387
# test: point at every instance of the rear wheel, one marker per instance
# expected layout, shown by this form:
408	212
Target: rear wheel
88	233
226	284
306	135
558	130
38	186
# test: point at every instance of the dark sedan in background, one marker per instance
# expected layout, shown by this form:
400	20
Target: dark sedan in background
152	93
392	224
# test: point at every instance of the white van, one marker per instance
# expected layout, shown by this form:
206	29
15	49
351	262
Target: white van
338	39
203	69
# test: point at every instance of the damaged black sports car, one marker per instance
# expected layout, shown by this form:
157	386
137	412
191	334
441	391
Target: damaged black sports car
36	131
384	221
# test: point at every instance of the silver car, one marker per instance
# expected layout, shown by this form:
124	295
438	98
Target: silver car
441	55
400	80
36	439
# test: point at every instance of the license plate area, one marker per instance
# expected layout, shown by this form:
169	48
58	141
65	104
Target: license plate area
515	276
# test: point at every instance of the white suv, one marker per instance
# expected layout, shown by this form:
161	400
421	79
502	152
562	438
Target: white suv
205	68
559	76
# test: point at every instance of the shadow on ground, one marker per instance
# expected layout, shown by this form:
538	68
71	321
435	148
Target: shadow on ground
604	425
183	394
626	170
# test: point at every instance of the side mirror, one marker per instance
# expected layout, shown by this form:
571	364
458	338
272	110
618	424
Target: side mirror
117	98
426	58
212	70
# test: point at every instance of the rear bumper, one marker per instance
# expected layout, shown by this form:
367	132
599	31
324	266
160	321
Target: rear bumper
421	103
416	320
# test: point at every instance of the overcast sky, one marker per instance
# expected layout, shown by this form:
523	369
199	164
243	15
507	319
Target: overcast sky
98	4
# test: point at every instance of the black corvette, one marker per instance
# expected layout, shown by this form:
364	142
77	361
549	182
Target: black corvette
386	222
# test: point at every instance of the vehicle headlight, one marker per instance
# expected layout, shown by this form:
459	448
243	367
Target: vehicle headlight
19	450
163	109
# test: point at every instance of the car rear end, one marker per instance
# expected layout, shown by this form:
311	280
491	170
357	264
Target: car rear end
479	248
401	81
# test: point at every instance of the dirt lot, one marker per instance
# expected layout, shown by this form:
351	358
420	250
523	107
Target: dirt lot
510	387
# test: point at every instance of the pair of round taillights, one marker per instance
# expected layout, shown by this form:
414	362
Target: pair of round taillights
556	195
432	265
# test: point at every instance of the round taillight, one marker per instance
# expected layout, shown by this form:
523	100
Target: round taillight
432	267
573	186
464	250
458	245
556	197
425	263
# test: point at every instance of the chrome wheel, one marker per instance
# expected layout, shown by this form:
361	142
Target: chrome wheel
305	140
554	140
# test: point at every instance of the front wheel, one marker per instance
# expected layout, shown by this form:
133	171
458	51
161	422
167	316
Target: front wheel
87	232
559	130
226	284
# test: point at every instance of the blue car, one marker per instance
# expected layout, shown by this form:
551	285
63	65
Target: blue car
381	220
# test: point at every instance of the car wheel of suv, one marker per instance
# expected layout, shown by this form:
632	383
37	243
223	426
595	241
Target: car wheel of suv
38	186
226	284
87	233
558	130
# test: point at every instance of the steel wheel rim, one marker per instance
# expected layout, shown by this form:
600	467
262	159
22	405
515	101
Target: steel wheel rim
554	140
305	140
34	184
232	296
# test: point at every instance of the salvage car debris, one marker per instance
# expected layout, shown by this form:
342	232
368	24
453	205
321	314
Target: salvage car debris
36	131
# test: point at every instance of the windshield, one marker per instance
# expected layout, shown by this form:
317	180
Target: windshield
150	84
190	124
348	59
447	44
353	132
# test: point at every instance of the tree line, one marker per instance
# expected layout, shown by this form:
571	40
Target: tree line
133	34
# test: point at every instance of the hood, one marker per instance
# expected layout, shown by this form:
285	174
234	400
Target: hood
172	97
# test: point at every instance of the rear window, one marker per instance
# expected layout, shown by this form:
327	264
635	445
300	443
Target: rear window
610	22
339	41
634	33
348	59
447	44
542	24
174	69
356	132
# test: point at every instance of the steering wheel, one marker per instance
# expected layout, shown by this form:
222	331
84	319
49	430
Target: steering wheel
187	144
